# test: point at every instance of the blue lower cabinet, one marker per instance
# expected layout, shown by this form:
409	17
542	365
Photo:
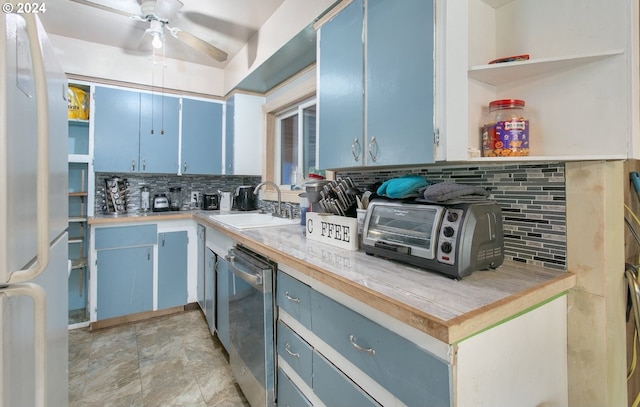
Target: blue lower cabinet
125	281
223	290
172	269
288	393
411	374
335	389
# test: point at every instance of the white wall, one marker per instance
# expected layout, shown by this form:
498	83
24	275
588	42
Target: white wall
101	61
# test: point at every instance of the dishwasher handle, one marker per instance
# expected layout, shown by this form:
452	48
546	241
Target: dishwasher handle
254	278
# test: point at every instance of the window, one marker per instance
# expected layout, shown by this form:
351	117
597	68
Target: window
297	143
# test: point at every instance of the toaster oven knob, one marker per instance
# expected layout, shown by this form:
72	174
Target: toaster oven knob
446	247
448	231
452	216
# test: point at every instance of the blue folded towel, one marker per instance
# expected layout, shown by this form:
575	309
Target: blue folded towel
402	187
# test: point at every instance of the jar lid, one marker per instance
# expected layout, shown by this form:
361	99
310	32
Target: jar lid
502	103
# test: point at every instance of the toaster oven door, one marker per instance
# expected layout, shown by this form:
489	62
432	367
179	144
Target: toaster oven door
406	228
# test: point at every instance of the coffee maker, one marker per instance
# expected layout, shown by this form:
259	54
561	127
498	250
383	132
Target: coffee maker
244	198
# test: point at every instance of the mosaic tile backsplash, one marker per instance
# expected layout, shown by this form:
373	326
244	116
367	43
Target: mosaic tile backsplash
532	198
160	184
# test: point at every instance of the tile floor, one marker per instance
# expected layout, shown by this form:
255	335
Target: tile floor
165	361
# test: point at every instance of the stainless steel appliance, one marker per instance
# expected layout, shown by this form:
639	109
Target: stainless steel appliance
252	325
160	203
454	239
210	202
144	199
34	217
244	198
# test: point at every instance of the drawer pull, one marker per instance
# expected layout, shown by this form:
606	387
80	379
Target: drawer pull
352	339
290	298
287	347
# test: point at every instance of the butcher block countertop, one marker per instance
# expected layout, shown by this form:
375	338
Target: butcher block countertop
449	310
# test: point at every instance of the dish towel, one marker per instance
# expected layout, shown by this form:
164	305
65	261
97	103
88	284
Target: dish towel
402	187
445	191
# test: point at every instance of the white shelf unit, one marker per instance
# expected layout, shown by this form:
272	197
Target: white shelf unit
578	83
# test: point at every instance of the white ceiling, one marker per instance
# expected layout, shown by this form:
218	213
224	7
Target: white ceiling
226	24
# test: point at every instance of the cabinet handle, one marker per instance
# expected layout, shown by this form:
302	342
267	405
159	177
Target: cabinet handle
373	145
163	240
287	347
370	351
144	165
355	149
148	253
133	165
286	294
184	167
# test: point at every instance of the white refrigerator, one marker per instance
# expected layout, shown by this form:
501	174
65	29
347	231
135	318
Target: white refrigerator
33	218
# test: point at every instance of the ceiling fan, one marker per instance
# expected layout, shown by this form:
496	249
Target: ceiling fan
158	13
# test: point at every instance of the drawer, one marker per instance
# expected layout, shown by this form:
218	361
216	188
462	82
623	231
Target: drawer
294	297
335	389
295	351
408	372
125	236
288	394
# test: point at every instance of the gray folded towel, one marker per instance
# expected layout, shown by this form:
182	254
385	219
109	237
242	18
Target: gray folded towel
445	191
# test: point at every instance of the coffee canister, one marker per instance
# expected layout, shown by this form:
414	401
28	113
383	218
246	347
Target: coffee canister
505	131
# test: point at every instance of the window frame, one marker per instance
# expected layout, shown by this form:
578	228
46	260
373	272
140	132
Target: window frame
296	110
292	92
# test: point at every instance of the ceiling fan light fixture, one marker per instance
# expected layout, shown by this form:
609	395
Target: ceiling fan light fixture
156	42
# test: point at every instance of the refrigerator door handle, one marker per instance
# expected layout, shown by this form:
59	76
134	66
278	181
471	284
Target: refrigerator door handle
42	154
37	293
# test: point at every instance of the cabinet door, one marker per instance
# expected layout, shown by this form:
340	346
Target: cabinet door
223	290
159	133
399	82
201	137
116	130
210	289
200	266
172	269
125	281
340	89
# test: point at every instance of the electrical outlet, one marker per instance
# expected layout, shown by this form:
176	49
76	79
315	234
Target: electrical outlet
195	197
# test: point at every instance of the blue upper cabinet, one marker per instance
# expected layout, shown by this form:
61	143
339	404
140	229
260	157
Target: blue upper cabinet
201	137
135	132
159	127
116	130
389	95
341	89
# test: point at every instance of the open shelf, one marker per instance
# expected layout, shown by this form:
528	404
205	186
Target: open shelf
508	72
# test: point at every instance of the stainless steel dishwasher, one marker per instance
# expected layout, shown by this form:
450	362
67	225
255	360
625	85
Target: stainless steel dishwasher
252	325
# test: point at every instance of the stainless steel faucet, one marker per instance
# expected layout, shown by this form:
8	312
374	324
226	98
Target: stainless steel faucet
273	184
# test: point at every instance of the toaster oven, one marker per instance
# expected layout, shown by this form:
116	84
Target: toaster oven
453	239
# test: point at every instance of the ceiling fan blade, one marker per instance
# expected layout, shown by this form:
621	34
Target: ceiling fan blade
100	6
197	43
167	9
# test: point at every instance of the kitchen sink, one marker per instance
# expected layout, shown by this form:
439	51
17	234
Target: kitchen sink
248	220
